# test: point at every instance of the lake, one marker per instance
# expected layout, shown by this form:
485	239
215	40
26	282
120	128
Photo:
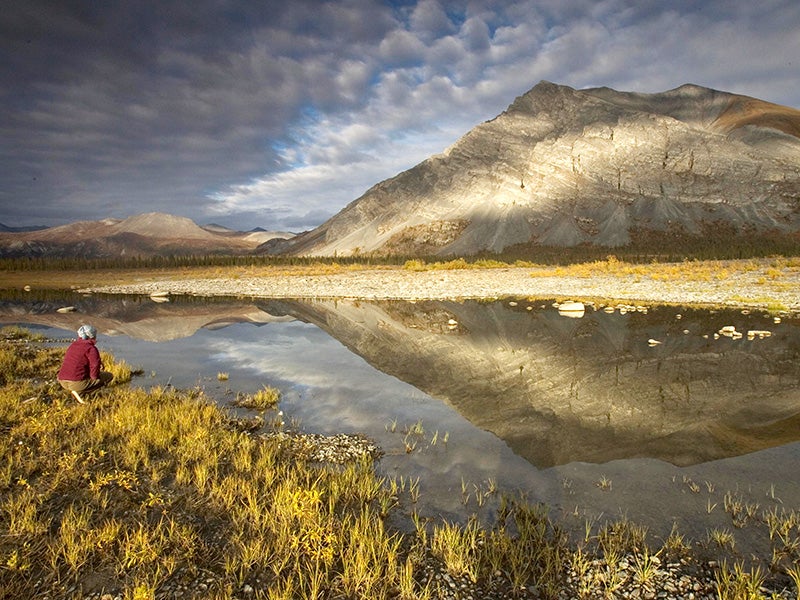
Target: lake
657	414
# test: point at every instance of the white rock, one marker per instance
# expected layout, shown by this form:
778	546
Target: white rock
570	309
758	333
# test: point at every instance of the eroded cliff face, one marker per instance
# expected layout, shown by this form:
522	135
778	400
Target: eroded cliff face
564	167
562	390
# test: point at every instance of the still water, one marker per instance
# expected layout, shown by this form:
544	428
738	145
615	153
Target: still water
651	415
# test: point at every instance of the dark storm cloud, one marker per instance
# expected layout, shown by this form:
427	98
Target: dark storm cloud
136	104
230	110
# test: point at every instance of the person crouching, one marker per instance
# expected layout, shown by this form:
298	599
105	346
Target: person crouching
81	371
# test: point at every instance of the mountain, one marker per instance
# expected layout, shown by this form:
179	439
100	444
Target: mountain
9	229
257	235
143	235
564	167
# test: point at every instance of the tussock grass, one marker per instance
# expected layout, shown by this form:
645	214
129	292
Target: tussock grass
139	492
774	269
265	398
142	490
47	276
418	264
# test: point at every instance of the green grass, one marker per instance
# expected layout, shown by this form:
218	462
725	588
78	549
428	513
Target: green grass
136	492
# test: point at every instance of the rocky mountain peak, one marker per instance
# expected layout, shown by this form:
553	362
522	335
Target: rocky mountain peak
563	167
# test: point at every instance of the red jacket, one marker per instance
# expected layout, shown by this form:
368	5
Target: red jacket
81	361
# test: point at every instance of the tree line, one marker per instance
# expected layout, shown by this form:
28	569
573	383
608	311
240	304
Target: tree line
656	246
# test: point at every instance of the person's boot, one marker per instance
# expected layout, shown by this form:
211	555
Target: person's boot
77	397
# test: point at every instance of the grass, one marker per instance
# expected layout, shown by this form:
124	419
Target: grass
137	493
64	279
264	399
139	488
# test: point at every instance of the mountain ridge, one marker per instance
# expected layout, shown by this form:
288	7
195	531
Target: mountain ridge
145	234
566	167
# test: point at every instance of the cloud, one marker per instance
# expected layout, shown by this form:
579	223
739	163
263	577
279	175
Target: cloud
293	110
401	48
430	21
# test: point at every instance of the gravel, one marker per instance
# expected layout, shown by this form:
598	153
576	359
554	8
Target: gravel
751	289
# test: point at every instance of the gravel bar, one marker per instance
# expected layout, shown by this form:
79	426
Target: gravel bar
751	289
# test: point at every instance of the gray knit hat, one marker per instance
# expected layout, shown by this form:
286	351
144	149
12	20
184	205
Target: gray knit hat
86	332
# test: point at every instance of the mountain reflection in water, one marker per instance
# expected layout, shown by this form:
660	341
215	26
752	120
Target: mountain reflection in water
561	390
557	390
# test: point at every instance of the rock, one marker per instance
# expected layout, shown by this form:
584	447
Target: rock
65	309
574	310
758	333
730	331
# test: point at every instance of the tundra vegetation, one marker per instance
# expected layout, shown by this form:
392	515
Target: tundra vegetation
143	493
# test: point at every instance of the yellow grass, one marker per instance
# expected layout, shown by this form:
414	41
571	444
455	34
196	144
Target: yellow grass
59	279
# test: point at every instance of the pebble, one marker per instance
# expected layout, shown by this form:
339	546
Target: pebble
335	449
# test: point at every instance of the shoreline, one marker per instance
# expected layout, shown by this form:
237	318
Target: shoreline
719	285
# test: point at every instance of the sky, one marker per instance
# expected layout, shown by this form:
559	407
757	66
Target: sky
277	114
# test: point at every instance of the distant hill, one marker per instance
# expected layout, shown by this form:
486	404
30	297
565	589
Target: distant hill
142	235
8	229
565	167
